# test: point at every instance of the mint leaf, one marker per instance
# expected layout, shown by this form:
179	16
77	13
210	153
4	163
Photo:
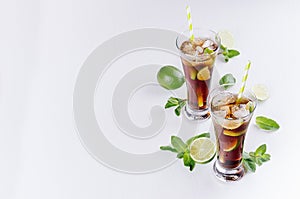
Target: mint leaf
186	159
261	150
189	141
250	160
168	148
178	144
228	53
180	155
173	101
192	164
266	123
208	51
266	157
179	107
227	79
223	47
249	165
232	53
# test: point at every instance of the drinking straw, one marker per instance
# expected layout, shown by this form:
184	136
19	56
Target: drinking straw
245	77
188	12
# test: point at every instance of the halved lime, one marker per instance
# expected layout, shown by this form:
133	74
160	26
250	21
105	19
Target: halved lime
170	77
261	92
226	38
202	150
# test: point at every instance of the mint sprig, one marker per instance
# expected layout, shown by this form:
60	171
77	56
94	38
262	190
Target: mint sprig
228	53
250	160
182	149
179	103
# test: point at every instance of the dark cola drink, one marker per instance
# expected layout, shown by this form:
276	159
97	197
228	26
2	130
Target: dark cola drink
231	117
198	60
231	123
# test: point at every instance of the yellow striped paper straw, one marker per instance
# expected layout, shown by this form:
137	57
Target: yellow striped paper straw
245	77
188	12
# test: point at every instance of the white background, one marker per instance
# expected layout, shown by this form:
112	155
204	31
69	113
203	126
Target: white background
42	47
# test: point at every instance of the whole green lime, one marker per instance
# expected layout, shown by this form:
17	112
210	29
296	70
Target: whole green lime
170	77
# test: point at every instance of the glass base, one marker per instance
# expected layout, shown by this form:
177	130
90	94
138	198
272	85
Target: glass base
226	175
200	115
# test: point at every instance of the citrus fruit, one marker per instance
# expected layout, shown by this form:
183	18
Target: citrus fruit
261	92
226	39
230	144
234	133
170	77
202	150
232	124
203	74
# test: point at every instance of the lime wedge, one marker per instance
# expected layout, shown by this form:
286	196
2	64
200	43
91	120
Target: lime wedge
226	39
202	150
203	74
170	77
230	144
234	133
261	92
232	124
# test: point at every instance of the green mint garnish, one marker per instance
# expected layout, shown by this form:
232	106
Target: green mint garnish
182	149
179	103
228	53
208	51
250	160
178	144
266	123
227	79
168	148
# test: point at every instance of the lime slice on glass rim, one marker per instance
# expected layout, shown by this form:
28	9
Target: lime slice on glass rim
226	38
202	150
260	91
170	77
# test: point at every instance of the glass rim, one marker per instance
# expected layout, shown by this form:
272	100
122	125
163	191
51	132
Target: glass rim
187	32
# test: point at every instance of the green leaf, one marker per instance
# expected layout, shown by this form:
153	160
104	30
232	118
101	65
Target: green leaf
187	159
223	48
172	101
258	161
266	123
208	51
179	107
266	157
180	155
178	144
250	160
192	164
189	141
261	150
232	53
249	165
168	148
227	79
